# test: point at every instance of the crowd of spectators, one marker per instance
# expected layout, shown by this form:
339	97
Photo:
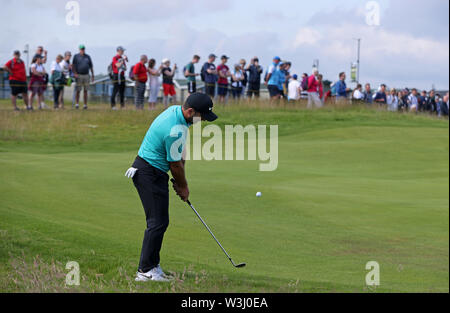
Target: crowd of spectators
223	81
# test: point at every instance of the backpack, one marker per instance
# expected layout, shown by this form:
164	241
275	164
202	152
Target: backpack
110	71
203	72
333	90
131	73
305	84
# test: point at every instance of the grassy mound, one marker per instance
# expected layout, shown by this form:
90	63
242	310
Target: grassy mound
353	185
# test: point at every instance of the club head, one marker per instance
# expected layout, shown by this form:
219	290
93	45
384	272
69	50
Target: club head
240	265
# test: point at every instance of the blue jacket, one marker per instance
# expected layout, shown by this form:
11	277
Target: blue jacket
341	89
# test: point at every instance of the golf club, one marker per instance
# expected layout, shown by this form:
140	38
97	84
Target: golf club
240	265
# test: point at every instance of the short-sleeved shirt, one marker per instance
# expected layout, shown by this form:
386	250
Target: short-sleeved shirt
254	74
18	70
56	67
65	66
209	78
166	78
294	89
140	72
191	69
281	78
82	64
273	69
38	68
165	139
222	68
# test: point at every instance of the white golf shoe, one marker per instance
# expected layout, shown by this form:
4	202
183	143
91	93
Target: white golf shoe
161	272
155	274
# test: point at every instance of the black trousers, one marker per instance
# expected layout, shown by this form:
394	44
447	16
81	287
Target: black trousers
152	185
56	93
118	89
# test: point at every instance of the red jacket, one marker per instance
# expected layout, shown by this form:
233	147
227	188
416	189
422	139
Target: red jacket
313	86
140	72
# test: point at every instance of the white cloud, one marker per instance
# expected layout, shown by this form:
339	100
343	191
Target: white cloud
410	46
307	36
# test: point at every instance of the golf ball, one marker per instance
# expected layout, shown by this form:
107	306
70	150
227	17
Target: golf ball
258	194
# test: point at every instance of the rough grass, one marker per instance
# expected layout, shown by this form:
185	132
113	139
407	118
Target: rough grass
353	185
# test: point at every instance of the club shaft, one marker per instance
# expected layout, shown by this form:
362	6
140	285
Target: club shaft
209	230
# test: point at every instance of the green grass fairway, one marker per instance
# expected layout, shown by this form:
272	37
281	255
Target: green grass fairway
353	185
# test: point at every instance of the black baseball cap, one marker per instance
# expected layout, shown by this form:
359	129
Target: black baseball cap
203	104
224	57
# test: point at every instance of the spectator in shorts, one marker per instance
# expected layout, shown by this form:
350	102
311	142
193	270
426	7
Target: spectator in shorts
413	102
224	73
237	81
254	78
191	76
294	89
313	90
140	79
67	72
168	85
243	63
119	67
81	66
153	75
57	80
380	96
36	85
271	79
17	79
209	74
368	95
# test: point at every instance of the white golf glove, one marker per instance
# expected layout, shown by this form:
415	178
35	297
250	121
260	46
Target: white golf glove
131	172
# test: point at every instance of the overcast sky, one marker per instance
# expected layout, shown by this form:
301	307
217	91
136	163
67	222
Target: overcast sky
410	47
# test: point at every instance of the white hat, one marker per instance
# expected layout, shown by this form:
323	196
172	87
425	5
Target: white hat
165	60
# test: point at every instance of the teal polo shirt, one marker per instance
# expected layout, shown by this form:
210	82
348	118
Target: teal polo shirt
165	139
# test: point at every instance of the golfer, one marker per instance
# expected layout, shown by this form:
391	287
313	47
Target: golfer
162	150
